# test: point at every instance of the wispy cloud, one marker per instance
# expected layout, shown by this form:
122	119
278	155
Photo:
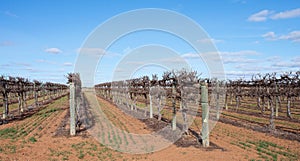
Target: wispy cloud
293	36
293	63
287	14
287	64
266	14
6	43
68	64
230	60
222	53
260	16
208	40
97	52
21	64
53	50
273	58
45	61
269	36
91	51
8	13
191	56
240	53
296	59
239	1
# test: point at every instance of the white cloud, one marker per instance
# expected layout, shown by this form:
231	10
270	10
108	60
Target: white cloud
296	59
231	60
260	16
287	14
20	64
240	53
208	40
45	61
190	56
257	67
68	64
269	36
53	50
97	52
174	60
266	14
292	63
287	64
273	58
91	51
292	36
221	53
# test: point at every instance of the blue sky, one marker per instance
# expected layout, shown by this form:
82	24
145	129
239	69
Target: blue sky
40	39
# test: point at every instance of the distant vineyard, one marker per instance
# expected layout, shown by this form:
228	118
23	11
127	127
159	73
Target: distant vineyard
20	91
271	91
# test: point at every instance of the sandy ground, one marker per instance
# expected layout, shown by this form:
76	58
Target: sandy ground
46	138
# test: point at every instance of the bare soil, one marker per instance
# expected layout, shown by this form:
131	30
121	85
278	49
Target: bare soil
44	135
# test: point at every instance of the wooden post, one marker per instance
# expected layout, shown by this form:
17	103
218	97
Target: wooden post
276	100
35	94
5	106
150	105
271	126
44	94
226	101
217	100
72	109
5	101
205	114
174	107
288	109
268	102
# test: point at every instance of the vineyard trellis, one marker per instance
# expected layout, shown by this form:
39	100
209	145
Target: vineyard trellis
20	90
180	91
268	91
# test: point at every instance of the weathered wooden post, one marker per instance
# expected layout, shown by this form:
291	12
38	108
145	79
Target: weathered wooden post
217	100
44	94
150	104
276	100
5	100
226	101
72	109
205	114
174	107
5	105
268	102
271	126
35	89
